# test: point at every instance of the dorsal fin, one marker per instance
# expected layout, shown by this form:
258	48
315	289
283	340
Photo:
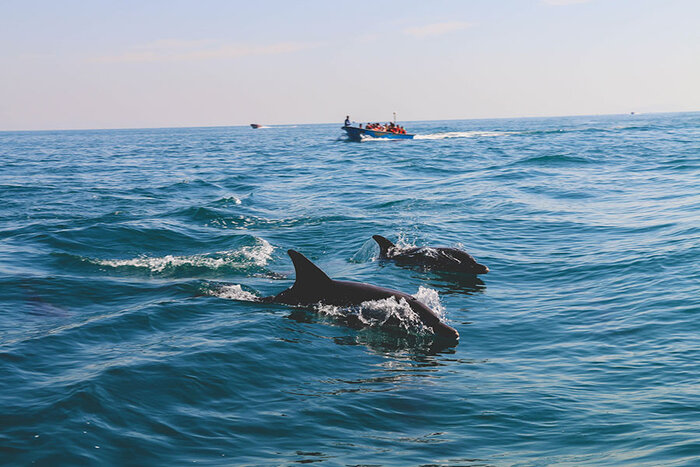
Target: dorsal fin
384	244
307	273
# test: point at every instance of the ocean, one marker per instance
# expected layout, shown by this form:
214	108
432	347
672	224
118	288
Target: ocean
131	262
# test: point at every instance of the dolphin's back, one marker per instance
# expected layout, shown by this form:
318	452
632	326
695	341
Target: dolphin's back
446	259
312	286
384	245
346	293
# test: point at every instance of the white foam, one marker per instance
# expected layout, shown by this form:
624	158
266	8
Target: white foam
378	312
164	262
463	134
391	307
372	138
262	127
331	310
403	243
232	198
255	255
260	253
430	298
234	292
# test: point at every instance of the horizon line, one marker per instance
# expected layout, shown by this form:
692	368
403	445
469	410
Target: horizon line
340	122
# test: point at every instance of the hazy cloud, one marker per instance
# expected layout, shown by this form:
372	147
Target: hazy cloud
563	2
366	38
173	50
437	29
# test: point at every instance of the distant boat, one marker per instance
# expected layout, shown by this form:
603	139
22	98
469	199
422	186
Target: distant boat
255	125
356	134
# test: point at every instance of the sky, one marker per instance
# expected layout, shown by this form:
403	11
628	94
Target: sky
143	64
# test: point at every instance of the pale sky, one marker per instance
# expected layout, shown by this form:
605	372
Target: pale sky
132	64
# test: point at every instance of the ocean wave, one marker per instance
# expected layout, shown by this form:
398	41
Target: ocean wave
252	256
219	218
591	298
558	159
230	199
635	127
588	129
562	131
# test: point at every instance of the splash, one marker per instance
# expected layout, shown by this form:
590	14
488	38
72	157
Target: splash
371	138
234	292
230	199
259	253
431	299
388	312
403	243
385	313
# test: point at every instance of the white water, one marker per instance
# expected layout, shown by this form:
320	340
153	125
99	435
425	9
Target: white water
462	134
254	255
234	292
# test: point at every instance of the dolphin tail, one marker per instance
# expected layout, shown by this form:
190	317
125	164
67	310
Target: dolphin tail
384	245
307	273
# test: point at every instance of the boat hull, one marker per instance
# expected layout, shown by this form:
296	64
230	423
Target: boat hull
357	134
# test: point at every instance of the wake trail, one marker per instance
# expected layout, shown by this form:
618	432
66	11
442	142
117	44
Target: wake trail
463	134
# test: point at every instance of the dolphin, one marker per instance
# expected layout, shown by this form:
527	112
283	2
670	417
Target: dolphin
313	286
444	259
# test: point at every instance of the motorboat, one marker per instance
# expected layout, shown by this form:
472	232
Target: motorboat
358	134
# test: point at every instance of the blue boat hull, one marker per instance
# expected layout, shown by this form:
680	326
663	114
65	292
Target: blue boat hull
356	134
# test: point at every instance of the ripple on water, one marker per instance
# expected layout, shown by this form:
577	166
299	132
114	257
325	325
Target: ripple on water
131	262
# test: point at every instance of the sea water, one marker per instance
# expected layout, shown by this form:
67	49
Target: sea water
131	263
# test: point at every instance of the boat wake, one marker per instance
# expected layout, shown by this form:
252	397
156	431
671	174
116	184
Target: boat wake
268	127
372	138
463	134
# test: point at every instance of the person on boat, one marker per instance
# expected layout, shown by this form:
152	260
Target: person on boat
347	120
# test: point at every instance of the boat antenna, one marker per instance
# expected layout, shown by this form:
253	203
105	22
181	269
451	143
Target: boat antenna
394	118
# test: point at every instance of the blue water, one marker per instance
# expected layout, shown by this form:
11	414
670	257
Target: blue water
130	261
